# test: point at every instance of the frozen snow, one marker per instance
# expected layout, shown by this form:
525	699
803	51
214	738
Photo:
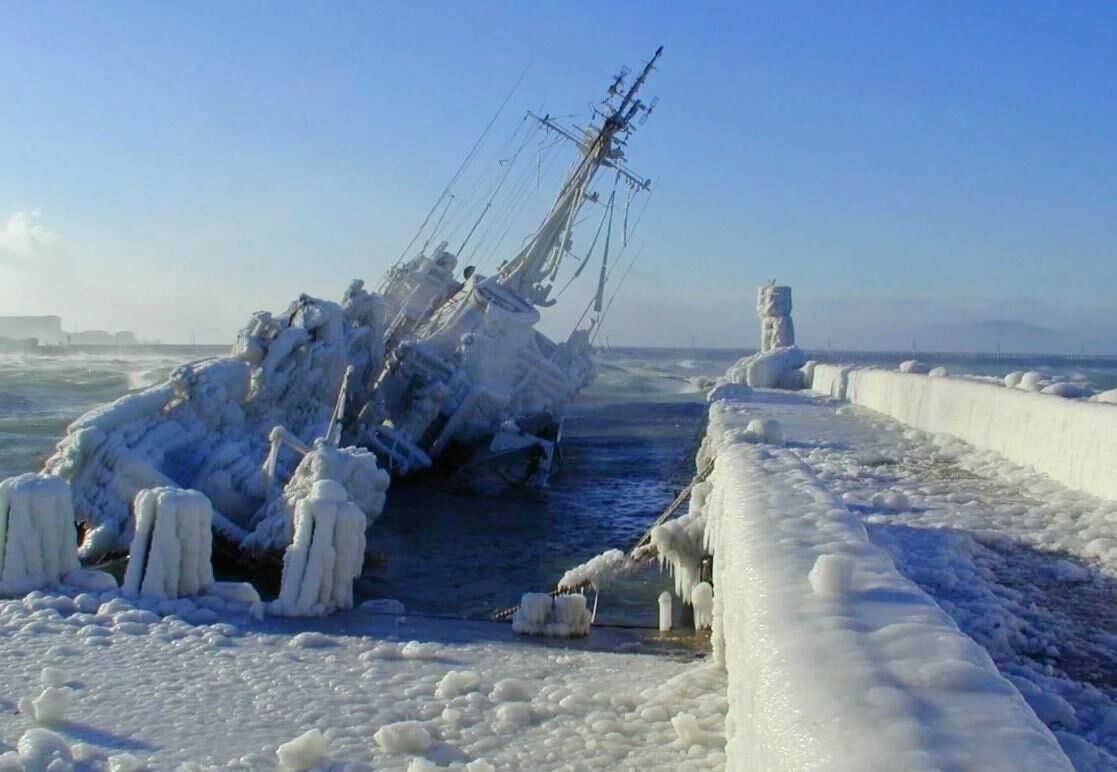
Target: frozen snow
702	599
230	692
599	571
171	550
1070	440
325	556
835	660
50	706
914	366
38	541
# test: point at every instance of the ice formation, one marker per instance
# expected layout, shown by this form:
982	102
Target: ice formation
599	571
914	366
209	427
680	543
38	541
326	554
1070	440
564	616
305	752
403	737
796	574
779	359
665	612
765	430
50	706
171	550
702	599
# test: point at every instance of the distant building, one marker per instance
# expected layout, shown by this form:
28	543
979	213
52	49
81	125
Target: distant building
46	329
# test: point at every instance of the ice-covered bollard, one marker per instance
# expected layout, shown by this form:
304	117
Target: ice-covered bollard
665	612
325	556
767	430
832	575
172	549
38	539
702	598
539	614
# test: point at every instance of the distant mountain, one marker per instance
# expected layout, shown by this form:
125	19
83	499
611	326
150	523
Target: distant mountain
996	335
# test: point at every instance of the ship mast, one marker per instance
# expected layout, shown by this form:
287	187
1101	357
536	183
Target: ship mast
531	272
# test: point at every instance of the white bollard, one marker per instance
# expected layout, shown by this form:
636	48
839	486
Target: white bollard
702	598
325	556
665	612
38	540
172	549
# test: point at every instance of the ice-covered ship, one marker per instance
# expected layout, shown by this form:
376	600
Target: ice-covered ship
436	369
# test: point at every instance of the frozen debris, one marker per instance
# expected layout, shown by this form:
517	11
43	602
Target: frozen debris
511	690
702	599
125	762
171	552
1032	381
403	737
38	541
938	372
914	366
52	676
564	616
599	571
49	707
1012	380
304	752
1068	390
688	731
1108	397
325	556
456	683
778	368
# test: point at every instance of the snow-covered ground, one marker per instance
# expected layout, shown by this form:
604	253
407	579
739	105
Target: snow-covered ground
1022	564
210	687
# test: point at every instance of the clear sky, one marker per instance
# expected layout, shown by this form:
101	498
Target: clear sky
169	168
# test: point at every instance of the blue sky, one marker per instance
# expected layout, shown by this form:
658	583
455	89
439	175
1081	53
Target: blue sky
902	165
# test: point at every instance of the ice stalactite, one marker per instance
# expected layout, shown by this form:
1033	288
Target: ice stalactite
680	543
171	552
325	556
38	541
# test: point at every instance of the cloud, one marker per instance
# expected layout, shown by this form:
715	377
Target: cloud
25	240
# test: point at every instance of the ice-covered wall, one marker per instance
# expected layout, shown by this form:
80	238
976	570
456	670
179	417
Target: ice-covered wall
1074	442
38	541
835	661
171	551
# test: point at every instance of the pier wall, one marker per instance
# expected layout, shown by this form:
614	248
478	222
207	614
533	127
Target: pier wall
834	660
1071	441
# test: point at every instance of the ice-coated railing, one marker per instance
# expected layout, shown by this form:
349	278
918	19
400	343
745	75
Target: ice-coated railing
1071	441
835	661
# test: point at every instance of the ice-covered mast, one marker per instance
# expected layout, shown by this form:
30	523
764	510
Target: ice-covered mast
533	270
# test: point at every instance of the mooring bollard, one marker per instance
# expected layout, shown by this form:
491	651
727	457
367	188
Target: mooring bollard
171	552
38	540
665	612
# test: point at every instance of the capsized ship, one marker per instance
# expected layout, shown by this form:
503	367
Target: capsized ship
435	371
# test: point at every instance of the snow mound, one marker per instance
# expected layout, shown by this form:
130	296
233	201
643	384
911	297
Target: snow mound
765	430
778	368
325	556
403	737
1068	390
565	616
891	501
1032	381
304	752
50	706
1108	397
171	552
702	598
599	571
42	749
914	366
938	372
38	541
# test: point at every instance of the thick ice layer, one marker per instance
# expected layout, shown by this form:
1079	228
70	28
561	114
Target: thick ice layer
172	549
326	555
207	428
776	368
1075	442
38	542
835	661
599	571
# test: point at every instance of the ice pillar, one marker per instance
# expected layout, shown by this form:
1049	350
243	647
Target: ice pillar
172	549
773	306
38	540
326	553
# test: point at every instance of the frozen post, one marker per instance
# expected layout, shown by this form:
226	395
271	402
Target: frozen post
38	540
773	306
325	555
665	612
172	547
